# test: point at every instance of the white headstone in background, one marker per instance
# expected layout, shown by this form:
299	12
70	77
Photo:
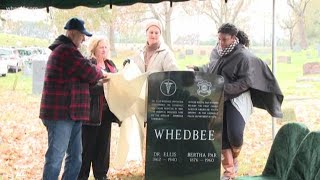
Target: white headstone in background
38	71
27	68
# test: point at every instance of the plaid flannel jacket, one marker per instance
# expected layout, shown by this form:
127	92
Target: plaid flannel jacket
65	92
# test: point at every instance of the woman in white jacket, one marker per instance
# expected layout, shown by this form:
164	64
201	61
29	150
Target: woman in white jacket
156	55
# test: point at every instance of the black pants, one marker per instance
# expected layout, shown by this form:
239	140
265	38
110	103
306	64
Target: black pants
233	127
96	148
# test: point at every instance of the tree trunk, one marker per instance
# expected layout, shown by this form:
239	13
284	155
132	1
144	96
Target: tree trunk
111	40
302	33
291	38
168	31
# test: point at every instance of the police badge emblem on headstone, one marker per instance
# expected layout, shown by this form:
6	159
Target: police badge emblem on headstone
204	88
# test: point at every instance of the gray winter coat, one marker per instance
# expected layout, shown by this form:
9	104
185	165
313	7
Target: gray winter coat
244	71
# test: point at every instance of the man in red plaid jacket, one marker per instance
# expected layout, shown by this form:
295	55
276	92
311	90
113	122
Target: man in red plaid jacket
65	101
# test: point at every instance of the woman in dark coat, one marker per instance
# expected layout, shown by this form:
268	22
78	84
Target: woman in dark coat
96	133
248	82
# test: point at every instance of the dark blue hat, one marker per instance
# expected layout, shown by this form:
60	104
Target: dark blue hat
77	24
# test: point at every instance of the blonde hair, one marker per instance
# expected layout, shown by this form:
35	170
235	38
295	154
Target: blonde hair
94	42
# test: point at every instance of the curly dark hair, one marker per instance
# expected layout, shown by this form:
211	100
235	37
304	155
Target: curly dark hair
228	28
243	38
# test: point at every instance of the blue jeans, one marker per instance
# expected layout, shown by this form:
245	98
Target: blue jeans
64	138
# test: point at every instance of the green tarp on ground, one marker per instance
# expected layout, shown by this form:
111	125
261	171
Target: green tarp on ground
283	150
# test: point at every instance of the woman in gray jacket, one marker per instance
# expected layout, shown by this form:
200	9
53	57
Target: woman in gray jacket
248	82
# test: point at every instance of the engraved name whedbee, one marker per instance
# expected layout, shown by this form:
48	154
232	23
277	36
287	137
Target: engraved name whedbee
184	134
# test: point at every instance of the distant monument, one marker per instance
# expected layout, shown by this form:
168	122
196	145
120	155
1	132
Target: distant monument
284	59
184	125
311	68
38	71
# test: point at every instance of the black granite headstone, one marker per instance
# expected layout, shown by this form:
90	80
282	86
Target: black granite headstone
184	125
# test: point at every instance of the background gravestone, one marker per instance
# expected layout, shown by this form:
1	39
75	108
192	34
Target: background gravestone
189	52
184	124
311	68
38	71
182	55
27	68
203	52
284	59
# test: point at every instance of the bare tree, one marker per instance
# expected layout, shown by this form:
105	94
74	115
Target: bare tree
1	14
299	7
107	16
163	14
2	19
128	19
218	10
289	25
121	19
106	20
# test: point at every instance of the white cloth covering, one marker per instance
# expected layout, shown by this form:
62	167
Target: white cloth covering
125	93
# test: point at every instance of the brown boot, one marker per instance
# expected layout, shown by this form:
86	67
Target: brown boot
235	151
236	166
227	164
235	154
